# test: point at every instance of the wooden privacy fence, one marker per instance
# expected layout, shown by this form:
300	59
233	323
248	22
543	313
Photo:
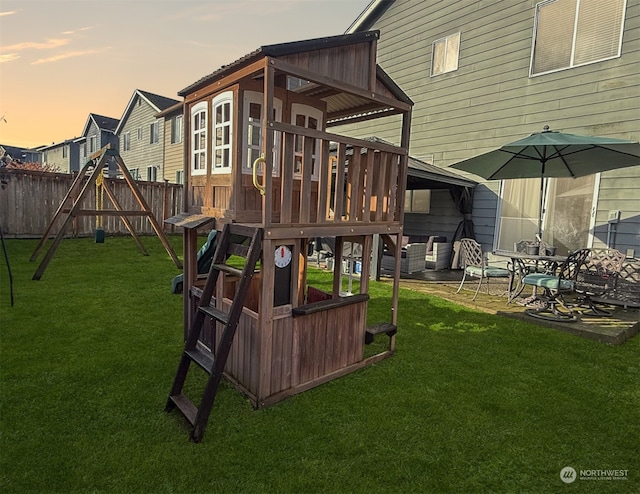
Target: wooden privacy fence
29	199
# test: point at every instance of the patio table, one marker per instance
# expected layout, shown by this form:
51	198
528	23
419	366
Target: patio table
522	264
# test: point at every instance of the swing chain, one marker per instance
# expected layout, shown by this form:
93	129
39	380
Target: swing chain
99	198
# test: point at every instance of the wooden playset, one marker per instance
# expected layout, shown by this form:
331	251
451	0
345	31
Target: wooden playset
262	169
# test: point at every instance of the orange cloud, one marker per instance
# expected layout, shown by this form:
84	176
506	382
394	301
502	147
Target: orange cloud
9	57
32	45
71	54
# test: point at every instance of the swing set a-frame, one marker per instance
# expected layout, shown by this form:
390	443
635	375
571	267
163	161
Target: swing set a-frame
71	206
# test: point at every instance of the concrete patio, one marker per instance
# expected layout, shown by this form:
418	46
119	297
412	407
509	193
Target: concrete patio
614	330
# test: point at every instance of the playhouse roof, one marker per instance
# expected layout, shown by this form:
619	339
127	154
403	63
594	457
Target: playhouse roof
342	104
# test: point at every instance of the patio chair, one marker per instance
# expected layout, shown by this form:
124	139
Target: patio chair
596	276
555	286
475	265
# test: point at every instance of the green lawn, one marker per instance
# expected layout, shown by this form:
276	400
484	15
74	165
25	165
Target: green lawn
469	403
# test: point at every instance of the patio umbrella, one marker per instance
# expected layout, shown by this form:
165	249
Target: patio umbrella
553	154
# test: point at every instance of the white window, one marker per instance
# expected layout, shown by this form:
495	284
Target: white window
311	118
252	137
417	201
222	133
93	144
65	151
152	173
569	33
139	133
154	131
199	138
135	173
180	177
176	129
126	141
444	54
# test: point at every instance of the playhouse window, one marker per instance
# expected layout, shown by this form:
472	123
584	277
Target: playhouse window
310	118
199	139
253	139
222	132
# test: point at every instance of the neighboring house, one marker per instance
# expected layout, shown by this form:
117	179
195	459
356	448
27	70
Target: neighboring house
141	135
24	155
98	132
173	143
483	74
64	156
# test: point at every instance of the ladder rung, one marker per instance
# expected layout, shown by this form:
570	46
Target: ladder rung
202	357
228	269
218	315
186	406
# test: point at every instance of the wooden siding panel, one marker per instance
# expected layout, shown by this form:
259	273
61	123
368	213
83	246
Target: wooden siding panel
348	64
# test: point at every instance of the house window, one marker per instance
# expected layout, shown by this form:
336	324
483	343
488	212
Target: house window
126	141
176	129
93	144
199	138
222	132
139	133
417	201
253	130
311	118
180	177
65	151
444	56
569	33
154	131
152	173
135	173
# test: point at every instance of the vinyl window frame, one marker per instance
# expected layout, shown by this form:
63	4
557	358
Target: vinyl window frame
575	23
447	64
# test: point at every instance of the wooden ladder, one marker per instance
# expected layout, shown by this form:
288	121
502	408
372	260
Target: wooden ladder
231	242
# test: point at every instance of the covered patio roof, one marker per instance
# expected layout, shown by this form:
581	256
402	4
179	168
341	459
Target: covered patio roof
422	175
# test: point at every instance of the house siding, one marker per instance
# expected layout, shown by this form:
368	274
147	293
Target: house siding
173	153
142	153
55	156
491	100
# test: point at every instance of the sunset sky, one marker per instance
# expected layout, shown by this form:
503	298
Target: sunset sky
63	59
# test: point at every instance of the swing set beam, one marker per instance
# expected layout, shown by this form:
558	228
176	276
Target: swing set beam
101	156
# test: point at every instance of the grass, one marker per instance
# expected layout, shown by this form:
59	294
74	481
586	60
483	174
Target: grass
470	402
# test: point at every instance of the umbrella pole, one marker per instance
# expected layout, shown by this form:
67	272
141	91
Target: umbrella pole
539	234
